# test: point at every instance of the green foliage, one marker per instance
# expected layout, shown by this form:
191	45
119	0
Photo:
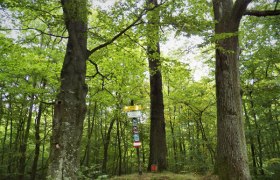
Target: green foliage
272	168
119	73
260	85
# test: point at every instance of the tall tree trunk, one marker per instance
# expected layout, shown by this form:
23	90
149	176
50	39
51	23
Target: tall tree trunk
204	137
37	141
172	127
70	107
232	161
1	107
158	149
258	130
252	145
23	146
10	157
106	146
86	157
43	145
119	146
4	139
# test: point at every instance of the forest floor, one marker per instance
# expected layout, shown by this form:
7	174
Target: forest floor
164	176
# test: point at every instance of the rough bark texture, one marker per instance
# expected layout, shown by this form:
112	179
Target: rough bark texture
232	161
158	149
70	107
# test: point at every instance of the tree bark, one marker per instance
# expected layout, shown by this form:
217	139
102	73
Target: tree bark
158	149
38	142
70	107
232	161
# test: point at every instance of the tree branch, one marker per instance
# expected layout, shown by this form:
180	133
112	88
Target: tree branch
42	32
262	13
98	72
116	36
134	23
276	4
96	69
136	42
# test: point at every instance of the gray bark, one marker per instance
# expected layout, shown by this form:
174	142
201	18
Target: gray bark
232	161
70	107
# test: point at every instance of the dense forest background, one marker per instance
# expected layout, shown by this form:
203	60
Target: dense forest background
33	41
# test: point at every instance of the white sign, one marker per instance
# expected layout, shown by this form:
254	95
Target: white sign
134	114
137	144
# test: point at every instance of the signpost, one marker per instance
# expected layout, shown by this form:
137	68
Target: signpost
135	113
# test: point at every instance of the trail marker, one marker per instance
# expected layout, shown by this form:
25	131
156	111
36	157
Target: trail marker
135	113
136	144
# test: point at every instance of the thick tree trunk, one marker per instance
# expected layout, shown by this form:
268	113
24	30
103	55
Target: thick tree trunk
70	107
232	161
231	147
158	149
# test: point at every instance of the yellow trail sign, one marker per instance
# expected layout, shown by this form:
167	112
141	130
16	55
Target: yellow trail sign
132	108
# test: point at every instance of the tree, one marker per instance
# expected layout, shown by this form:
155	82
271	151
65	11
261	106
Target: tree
70	107
158	149
232	161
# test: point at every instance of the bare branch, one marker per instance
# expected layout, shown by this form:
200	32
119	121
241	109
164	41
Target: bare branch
98	72
262	13
96	69
48	103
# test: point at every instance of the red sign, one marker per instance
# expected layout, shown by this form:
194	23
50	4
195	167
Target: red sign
137	144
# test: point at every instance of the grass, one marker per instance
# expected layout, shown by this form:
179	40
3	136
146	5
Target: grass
164	176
